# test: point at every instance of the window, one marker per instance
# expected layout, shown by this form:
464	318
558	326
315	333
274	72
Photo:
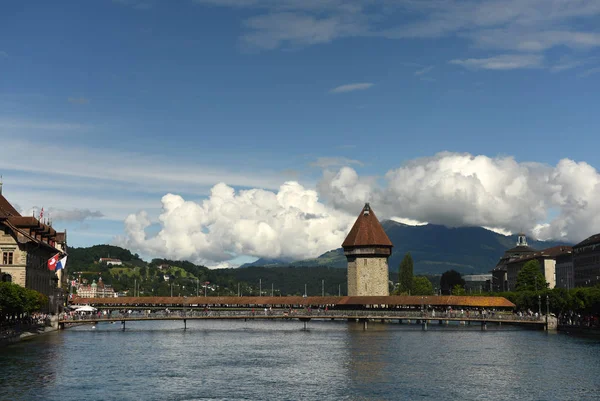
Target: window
7	258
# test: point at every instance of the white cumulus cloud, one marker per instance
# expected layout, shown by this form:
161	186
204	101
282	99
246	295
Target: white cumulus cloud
455	189
551	202
291	222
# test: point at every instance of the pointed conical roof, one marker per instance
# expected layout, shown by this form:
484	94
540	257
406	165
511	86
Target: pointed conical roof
367	231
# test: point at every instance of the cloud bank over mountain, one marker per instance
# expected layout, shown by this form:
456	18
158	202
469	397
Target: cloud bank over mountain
290	222
455	189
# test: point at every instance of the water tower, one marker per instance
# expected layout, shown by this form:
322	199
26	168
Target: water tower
367	249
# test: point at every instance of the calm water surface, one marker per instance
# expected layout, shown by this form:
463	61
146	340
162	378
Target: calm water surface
223	360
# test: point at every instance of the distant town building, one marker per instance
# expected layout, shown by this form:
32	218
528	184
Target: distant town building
586	262
96	290
26	244
477	283
111	261
163	266
565	275
367	249
500	280
547	260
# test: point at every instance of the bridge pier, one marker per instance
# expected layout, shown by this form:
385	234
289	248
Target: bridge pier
123	324
184	324
483	326
424	325
305	320
400	321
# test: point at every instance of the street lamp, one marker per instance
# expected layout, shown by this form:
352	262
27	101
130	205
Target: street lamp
540	304
260	287
322	288
197	285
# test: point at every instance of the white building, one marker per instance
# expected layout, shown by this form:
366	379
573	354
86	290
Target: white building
111	261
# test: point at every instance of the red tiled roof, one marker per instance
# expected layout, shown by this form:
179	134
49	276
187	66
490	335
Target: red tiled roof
367	231
444	300
6	209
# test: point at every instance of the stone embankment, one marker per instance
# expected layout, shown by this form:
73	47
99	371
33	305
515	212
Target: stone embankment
16	334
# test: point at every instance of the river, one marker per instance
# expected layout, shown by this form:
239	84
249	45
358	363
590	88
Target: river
264	360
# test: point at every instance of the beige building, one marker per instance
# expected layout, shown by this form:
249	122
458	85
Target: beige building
367	249
26	244
547	260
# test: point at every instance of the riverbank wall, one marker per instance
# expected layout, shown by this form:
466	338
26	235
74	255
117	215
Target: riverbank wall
21	334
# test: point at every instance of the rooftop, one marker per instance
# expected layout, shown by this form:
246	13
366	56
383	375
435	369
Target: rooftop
434	300
367	231
6	209
594	239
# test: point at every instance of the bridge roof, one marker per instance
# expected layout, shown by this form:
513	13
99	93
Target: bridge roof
453	301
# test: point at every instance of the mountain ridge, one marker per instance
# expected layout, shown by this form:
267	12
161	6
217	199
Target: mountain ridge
434	248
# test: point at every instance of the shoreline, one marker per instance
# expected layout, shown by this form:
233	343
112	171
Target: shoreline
30	334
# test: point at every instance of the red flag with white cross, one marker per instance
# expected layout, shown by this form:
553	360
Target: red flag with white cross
52	262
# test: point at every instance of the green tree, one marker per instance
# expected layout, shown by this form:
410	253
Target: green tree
458	290
449	280
530	277
15	300
422	286
405	275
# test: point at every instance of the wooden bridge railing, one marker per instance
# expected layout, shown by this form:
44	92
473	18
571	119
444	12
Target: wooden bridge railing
304	313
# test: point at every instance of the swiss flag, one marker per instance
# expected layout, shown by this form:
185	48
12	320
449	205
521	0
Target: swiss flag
52	262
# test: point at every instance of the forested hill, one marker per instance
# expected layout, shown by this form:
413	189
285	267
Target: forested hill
163	277
434	249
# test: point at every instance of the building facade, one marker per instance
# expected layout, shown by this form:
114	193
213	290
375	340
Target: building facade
96	290
546	259
477	283
586	262
367	249
499	279
26	244
565	275
111	261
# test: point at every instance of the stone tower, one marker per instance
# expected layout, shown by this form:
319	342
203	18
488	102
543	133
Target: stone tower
367	248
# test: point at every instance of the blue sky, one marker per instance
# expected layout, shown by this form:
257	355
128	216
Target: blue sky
118	103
